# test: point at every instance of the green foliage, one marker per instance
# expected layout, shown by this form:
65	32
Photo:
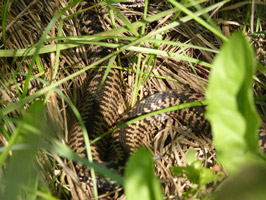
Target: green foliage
140	180
249	184
231	109
196	173
21	173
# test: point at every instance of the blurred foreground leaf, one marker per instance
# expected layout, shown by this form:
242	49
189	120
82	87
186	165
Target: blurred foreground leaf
248	184
140	179
231	109
20	166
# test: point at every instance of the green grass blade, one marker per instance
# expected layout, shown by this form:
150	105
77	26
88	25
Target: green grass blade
125	20
33	185
4	10
200	20
157	112
66	152
110	64
41	41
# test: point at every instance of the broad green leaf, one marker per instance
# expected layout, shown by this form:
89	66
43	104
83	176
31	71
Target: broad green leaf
231	109
140	180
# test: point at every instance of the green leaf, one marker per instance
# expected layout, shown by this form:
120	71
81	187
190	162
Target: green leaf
140	180
193	173
191	156
248	184
207	176
196	173
29	137
231	109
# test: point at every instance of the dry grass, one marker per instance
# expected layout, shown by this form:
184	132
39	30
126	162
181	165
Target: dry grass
27	21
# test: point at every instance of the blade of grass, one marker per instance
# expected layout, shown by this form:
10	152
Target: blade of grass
110	64
65	152
200	20
4	9
157	112
79	41
104	35
125	20
41	41
25	100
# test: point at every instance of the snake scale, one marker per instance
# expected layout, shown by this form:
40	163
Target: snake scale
99	111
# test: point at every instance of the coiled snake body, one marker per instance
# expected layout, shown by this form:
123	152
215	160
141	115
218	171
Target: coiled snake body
99	111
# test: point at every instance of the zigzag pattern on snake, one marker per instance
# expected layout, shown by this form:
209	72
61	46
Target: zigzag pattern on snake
99	111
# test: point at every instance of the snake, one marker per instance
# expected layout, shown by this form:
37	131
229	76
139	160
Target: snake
99	111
